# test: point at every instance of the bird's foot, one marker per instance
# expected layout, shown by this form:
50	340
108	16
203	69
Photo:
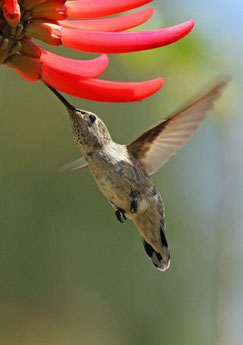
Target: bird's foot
134	202
120	215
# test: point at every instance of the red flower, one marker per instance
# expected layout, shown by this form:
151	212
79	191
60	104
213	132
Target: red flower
48	20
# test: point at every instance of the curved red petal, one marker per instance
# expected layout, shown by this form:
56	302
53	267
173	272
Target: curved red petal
86	9
107	91
69	68
123	42
110	24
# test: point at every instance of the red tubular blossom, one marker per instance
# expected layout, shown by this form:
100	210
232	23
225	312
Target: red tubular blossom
51	9
106	91
49	21
11	11
110	24
111	42
46	32
87	9
29	48
11	5
28	4
65	68
25	65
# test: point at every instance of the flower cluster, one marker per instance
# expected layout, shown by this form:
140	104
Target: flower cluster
76	24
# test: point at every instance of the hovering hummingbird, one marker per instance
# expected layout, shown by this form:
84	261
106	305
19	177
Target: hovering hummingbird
122	172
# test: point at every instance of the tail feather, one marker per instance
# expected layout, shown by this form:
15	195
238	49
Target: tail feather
163	238
160	260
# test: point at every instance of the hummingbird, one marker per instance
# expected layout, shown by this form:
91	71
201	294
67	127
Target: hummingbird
123	172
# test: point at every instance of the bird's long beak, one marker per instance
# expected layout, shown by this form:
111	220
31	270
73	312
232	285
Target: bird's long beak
71	109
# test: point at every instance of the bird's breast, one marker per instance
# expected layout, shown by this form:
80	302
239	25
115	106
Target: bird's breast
117	177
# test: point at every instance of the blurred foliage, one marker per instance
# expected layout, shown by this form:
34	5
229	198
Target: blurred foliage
70	273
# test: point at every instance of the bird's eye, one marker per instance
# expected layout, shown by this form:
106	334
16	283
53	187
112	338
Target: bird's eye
92	118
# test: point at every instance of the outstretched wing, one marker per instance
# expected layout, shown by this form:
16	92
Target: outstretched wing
77	164
154	147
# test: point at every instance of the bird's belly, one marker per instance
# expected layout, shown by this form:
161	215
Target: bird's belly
116	190
119	194
118	180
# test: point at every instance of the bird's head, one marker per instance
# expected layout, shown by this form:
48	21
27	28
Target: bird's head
89	131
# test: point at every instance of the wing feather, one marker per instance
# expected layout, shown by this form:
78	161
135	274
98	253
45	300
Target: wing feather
155	146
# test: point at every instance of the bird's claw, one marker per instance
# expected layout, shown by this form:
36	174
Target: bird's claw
120	215
134	203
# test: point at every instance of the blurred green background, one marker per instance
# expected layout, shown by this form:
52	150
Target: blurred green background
70	273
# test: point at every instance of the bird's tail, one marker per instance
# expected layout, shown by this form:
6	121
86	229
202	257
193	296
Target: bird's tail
160	259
